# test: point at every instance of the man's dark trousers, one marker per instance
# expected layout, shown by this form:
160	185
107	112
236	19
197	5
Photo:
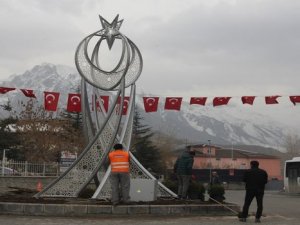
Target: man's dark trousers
250	194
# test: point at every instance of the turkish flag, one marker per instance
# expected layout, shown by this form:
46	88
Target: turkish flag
51	100
295	99
4	90
198	100
150	104
248	99
125	104
272	99
105	102
74	103
173	103
221	101
28	93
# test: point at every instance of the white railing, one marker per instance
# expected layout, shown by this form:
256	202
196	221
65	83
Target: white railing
23	168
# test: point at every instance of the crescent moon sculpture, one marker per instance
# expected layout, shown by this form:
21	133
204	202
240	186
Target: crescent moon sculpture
103	127
130	62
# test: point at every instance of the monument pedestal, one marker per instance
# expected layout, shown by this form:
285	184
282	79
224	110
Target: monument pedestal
143	190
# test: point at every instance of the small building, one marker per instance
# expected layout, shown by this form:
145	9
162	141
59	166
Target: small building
220	158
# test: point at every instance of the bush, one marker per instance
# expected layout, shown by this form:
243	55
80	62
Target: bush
172	185
196	190
217	192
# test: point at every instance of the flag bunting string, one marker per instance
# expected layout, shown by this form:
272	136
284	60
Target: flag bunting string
151	104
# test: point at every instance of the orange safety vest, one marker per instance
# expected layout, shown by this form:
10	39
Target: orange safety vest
119	161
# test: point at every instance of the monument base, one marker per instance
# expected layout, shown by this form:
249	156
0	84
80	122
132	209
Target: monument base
143	190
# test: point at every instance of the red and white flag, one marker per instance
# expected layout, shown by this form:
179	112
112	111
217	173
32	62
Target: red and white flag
125	104
51	100
248	99
271	99
198	100
295	99
221	101
28	93
173	103
150	104
4	90
74	103
105	102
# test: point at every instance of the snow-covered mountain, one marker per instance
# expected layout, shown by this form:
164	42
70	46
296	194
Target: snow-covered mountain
230	124
47	77
44	77
225	126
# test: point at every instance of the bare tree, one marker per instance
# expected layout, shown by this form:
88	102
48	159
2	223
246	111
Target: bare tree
292	144
43	137
166	144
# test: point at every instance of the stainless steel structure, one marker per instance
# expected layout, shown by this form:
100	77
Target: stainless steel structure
104	129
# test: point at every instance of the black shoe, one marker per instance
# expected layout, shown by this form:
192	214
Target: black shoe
257	220
242	219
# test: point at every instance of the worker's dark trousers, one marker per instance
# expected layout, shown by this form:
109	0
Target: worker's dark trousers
183	185
120	185
250	194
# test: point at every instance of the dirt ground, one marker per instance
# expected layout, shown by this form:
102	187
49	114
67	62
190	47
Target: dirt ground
23	195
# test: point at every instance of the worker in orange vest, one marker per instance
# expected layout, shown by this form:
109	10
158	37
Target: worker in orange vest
120	174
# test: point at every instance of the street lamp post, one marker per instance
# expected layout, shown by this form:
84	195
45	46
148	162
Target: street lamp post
3	161
209	153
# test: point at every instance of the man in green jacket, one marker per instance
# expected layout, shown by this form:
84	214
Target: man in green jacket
183	169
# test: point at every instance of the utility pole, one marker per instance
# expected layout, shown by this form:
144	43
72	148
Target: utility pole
209	153
3	161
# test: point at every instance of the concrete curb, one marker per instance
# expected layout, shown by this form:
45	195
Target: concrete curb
38	209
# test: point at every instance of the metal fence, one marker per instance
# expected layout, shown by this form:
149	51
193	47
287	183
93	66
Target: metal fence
21	168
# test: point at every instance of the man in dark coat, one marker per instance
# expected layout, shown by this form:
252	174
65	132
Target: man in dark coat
183	169
215	178
255	179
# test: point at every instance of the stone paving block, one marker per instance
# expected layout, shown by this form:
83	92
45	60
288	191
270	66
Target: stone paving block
34	209
54	209
11	208
236	208
160	209
79	210
199	209
99	209
180	209
120	209
138	209
84	210
216	210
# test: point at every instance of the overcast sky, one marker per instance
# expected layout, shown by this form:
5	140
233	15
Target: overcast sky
189	47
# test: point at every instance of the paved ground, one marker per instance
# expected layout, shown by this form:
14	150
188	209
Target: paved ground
13	220
279	209
275	203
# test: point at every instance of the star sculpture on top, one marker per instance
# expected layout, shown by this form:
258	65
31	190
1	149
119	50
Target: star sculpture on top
111	30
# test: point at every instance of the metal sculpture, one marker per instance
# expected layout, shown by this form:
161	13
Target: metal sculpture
103	128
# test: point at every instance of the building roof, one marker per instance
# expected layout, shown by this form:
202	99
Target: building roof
238	153
224	152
